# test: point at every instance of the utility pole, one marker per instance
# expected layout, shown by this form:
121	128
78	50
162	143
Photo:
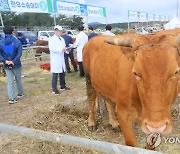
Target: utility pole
177	9
85	18
1	20
54	14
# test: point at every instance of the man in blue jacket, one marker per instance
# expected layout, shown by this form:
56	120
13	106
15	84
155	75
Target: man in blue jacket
10	54
69	53
91	33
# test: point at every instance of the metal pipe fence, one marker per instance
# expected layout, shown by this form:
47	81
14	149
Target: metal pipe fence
90	144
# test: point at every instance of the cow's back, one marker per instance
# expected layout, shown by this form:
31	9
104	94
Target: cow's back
169	32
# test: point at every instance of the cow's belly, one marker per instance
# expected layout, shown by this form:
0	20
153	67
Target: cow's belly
104	84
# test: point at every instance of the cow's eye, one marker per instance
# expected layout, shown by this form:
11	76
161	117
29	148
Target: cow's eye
177	72
135	74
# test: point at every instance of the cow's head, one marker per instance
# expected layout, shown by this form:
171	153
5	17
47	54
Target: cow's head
156	73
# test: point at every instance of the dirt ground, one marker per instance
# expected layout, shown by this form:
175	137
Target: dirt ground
65	113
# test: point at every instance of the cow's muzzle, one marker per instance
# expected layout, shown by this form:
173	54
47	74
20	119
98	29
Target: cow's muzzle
162	127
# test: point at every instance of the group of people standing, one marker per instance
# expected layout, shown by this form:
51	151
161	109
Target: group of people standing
59	46
60	51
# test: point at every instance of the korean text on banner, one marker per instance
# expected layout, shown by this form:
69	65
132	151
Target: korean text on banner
94	11
38	6
67	8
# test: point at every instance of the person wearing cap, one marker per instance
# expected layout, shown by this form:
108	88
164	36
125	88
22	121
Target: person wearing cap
91	33
81	40
69	53
10	54
108	31
57	48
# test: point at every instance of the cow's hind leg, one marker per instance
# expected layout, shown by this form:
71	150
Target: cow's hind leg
91	99
38	56
112	118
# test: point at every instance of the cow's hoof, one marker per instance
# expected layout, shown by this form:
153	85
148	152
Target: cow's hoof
131	143
92	128
115	124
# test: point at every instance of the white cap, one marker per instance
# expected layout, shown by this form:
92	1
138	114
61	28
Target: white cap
58	27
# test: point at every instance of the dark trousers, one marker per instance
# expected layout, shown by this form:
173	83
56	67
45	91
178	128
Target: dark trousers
55	78
81	69
71	56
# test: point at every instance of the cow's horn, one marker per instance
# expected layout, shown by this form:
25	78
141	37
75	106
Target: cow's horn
120	41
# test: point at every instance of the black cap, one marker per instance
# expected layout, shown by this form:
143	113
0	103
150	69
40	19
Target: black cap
108	27
91	28
8	29
80	28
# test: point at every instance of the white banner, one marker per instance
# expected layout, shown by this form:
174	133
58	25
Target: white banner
163	18
68	8
38	6
95	11
167	18
133	15
150	17
142	16
156	18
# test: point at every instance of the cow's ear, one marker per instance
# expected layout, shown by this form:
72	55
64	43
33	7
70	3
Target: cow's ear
129	53
126	44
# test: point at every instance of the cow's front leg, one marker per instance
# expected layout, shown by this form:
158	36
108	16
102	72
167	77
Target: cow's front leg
126	126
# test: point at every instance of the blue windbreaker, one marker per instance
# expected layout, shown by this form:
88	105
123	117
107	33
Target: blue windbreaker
15	55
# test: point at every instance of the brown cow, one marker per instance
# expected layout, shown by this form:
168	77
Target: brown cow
139	74
39	51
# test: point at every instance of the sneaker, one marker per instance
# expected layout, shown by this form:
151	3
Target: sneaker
20	96
12	101
75	70
66	88
69	71
55	92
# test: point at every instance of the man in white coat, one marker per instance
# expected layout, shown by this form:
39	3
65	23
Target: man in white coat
57	48
81	40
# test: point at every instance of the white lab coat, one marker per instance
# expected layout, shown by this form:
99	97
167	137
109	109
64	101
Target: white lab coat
57	61
81	40
109	33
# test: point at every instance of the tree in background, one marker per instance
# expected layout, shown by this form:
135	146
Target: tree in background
27	19
39	19
76	21
73	22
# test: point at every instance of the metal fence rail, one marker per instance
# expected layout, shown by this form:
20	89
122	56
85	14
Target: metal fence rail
90	144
